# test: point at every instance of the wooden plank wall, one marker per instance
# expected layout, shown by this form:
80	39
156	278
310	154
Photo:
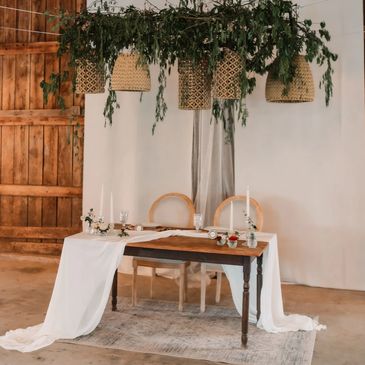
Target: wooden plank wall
40	162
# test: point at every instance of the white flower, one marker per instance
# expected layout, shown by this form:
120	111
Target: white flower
82	217
103	226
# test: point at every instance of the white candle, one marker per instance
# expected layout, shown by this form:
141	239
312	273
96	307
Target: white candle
248	201
111	208
101	206
231	218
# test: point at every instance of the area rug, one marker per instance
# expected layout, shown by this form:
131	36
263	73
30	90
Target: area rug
157	327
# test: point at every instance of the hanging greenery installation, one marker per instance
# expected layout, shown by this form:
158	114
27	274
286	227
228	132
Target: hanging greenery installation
265	34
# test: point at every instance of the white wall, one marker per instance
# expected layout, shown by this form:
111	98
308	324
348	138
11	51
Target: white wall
304	163
155	164
98	154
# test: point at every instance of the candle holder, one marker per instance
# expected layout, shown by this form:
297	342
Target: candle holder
213	234
123	218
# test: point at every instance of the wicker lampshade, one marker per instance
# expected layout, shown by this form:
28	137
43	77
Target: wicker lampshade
194	85
90	78
226	79
301	89
128	75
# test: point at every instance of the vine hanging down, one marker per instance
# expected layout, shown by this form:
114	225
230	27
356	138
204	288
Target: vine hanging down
259	31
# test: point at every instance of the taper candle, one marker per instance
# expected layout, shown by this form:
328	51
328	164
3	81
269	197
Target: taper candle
248	201
111	208
231	218
101	206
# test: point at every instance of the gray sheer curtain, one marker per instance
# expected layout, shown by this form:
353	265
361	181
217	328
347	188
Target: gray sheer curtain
213	171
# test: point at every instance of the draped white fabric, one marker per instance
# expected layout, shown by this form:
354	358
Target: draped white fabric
212	165
272	317
85	277
79	296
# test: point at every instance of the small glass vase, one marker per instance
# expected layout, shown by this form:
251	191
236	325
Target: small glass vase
232	243
198	221
87	228
251	239
222	240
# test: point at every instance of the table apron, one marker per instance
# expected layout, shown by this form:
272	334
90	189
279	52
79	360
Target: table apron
223	259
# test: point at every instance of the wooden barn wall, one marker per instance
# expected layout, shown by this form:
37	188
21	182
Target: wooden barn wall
40	161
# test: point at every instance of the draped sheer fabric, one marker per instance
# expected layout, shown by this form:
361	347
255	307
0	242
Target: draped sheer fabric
213	170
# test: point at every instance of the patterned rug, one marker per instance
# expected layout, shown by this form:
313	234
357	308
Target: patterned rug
157	327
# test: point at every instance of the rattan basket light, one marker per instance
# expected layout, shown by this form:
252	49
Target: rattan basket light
194	85
129	75
90	78
226	79
301	89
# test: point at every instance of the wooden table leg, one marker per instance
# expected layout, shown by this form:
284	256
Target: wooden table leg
115	291
259	287
245	299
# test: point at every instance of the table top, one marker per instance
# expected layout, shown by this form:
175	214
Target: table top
200	245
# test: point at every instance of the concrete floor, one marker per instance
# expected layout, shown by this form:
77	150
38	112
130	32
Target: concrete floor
26	285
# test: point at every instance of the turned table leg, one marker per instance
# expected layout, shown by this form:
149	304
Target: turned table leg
259	287
115	291
245	299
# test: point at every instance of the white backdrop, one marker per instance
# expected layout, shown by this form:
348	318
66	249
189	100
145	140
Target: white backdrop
304	163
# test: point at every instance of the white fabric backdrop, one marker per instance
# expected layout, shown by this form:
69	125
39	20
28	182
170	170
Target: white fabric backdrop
304	163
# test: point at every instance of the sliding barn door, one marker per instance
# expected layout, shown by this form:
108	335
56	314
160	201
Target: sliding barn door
40	158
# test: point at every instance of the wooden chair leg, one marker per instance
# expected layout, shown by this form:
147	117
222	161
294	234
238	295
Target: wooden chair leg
218	288
203	286
186	285
134	284
181	286
152	280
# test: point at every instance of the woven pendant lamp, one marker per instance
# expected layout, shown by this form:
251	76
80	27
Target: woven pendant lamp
226	79
129	75
194	85
300	90
90	78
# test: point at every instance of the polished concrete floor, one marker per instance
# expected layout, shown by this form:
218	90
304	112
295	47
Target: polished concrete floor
26	285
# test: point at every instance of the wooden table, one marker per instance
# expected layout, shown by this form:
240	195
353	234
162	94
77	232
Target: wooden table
203	250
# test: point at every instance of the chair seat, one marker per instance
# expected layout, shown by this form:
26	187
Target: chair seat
148	261
214	267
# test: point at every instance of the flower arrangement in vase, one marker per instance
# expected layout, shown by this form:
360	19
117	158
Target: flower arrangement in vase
231	239
251	238
95	225
89	219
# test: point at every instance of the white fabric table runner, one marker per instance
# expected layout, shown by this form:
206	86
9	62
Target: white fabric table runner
85	277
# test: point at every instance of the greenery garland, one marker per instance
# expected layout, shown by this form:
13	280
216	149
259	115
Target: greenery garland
265	33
